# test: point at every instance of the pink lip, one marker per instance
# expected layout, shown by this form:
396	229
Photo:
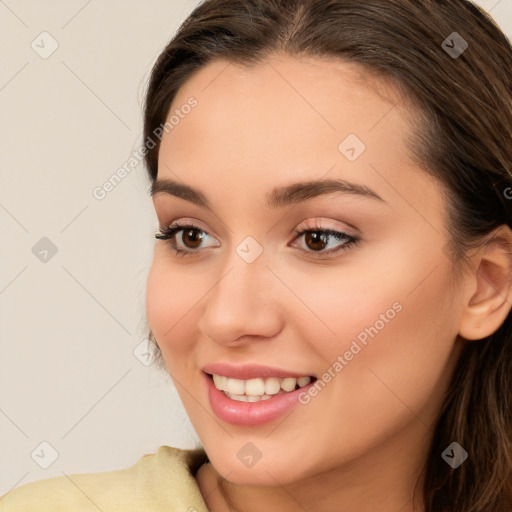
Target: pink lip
251	413
245	372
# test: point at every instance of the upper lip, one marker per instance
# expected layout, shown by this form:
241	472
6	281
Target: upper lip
249	371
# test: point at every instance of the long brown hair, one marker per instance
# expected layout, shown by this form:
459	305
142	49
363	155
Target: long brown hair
463	137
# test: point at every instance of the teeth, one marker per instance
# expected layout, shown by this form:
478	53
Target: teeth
247	398
254	387
220	382
235	386
288	384
272	386
303	381
253	390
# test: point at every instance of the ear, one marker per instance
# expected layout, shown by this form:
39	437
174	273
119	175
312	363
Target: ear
490	292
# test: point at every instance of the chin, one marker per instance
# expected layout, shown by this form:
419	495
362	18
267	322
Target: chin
234	464
257	476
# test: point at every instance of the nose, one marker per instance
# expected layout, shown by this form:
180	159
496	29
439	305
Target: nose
243	305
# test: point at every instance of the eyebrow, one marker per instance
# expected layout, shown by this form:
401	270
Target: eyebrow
277	198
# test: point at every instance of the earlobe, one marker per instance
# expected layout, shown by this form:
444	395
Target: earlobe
490	298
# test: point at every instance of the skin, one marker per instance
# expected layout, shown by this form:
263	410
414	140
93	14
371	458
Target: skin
362	440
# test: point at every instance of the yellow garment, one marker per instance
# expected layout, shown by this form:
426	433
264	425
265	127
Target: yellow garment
158	482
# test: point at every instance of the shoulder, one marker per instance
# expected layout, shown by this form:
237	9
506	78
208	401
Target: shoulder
156	482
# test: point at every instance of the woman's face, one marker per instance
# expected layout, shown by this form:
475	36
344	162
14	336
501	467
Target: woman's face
372	321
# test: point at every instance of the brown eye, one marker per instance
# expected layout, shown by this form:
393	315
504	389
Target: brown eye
188	243
191	238
316	240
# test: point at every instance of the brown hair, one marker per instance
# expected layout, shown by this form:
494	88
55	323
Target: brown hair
462	137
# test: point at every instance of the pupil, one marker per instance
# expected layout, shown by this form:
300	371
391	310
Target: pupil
315	237
198	238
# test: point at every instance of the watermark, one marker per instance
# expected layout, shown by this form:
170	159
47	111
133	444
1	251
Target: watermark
454	455
100	192
249	454
454	45
249	249
44	250
44	45
145	352
508	193
352	147
44	455
348	355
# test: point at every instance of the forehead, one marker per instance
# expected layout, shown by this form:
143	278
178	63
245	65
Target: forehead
313	87
283	120
307	103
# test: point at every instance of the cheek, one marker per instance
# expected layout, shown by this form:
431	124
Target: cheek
170	296
413	354
392	326
401	358
396	378
337	307
395	309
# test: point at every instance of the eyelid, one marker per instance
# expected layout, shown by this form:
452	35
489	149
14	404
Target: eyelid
319	224
189	221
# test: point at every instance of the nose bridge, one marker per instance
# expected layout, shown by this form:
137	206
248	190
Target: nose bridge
241	301
245	272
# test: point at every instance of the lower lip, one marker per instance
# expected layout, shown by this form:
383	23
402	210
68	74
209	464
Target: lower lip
251	413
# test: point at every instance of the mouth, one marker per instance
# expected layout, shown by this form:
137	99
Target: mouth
250	395
258	389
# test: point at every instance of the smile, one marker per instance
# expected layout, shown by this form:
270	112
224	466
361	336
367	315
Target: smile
254	390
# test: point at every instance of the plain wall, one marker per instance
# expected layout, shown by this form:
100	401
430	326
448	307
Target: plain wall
70	320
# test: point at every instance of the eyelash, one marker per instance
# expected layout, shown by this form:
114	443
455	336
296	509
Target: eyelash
170	232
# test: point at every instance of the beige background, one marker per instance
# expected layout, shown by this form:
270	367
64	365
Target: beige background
69	325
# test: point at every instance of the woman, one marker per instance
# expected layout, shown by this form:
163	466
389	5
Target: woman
330	288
